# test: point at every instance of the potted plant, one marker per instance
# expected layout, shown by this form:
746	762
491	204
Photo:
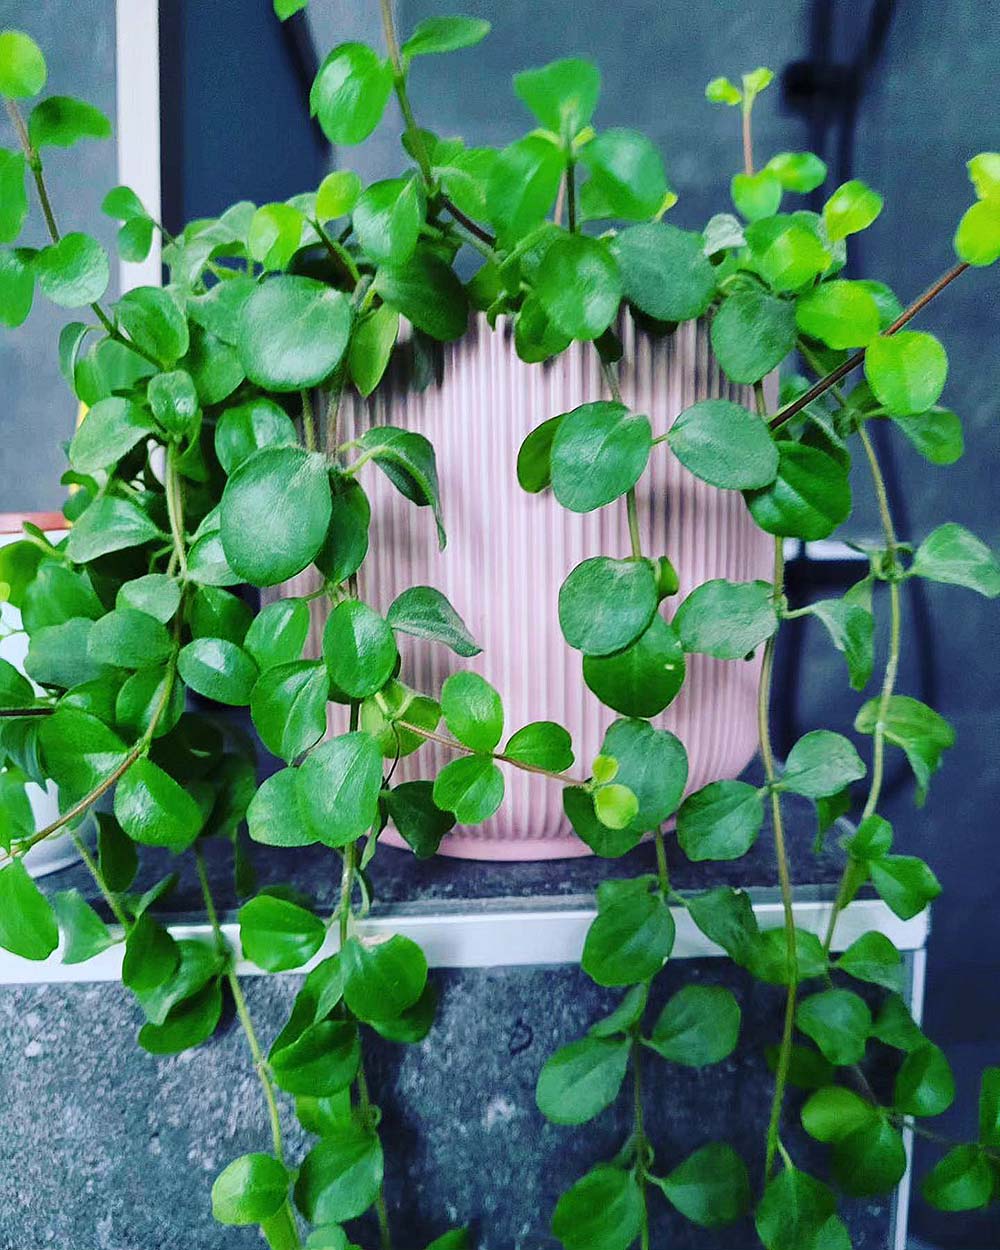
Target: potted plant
205	463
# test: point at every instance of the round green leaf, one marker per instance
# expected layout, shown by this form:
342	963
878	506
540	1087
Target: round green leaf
977	239
562	94
581	1079
534	459
427	293
471	788
277	934
27	923
472	710
834	1112
644	678
154	810
286	491
786	252
951	554
417	817
141	698
323	1060
924	1084
274	816
840	314
522	186
542	743
698	1026
962	1181
602	1211
288	705
579	286
631	936
13	195
756	195
110	430
275	235
22	66
652	763
337	194
242	430
387	219
385	976
605	604
852	208
869	1161
293	332
906	372
219	670
838	1021
340	1177
173	398
752	333
794	1209
821	764
74	271
808	499
598	453
359	649
727	620
350	93
17	287
721	821
445	34
251	1189
711	1187
126	638
153	320
278	633
798	171
725	445
60	121
339	786
627	179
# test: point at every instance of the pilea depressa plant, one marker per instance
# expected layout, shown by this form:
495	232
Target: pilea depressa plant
211	458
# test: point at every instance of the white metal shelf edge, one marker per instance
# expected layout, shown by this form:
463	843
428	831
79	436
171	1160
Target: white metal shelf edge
517	937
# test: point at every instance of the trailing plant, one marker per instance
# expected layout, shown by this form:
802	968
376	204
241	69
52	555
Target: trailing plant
211	458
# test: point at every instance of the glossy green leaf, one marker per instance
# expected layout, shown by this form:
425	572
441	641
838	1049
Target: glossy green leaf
22	66
809	498
385	976
275	235
293	333
387	219
13	195
786	252
834	1112
906	372
562	95
793	1211
218	670
936	434
340	1177
851	208
756	195
151	955
871	1160
346	542
821	764
371	347
727	620
642	679
962	1181
154	810
153	319
321	1061
242	430
427	293
359	649
632	935
798	171
725	445
275	816
924	1084
627	179
838	1021
581	1079
711	1187
472	710
579	286
215	613
407	459
752	333
471	787
426	613
602	1211
895	1026
543	744
27	923
278	633
337	194
445	34
977	239
80	751
278	935
417	818
74	271
350	93
151	693
522	186
599	451
840	314
249	1190
173	398
126	638
17	287
339	786
699	1025
109	524
605	604
721	821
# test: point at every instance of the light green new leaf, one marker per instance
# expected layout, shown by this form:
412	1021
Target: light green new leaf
350	93
22	66
798	171
337	194
522	186
840	314
852	208
787	253
627	179
445	34
936	434
562	95
977	239
275	235
387	219
756	195
906	372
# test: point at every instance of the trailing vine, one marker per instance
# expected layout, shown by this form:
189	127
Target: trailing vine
204	465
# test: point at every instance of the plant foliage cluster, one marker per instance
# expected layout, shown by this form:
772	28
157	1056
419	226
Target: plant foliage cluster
211	458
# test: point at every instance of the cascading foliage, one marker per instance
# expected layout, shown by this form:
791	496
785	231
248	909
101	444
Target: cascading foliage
210	458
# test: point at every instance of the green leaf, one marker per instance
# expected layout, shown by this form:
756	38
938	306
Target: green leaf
79	751
579	286
756	195
350	93
251	1189
627	1014
126	638
840	314
821	764
924	1084
906	372
543	744
340	1177
278	935
472	710
289	487
895	1026
218	670
385	976
869	1161
190	1023
215	613
154	810
144	695
727	620
605	604
834	1112
952	555
615	806
408	461
919	730
84	933
417	818
838	1021
665	271
725	445
752	333
989	1107
109	524
522	186
27	923
871	840
173	398
962	1181
720	821
977	239
642	679
359	649
711	1187
284	9
599	451
337	194
851	627
852	208
17	287
153	320
74	271
936	434
426	613
786	252
371	346
627	179
135	238
795	1213
242	430
22	66
275	816
387	220
278	633
581	1079
872	957
13	195
472	788
346	542
58	656
339	786
445	34
275	235
632	935
151	955
699	1025
808	499
15	690
722	91
562	95
767	958
427	293
293	332
534	459
321	1061
383	715
602	1211
798	171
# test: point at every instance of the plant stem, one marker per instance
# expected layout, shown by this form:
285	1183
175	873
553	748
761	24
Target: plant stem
571	194
381	1211
747	142
26	711
852	362
632	508
114	906
661	861
641	1143
175	507
784	873
431	736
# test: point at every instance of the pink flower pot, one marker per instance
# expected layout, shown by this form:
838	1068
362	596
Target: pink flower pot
508	553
